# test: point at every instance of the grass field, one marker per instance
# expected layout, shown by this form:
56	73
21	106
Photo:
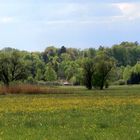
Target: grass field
112	114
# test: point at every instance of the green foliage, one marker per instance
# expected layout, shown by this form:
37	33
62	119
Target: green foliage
127	72
73	80
12	67
120	82
103	66
30	80
136	68
39	75
88	70
134	78
126	53
68	63
116	74
131	74
50	74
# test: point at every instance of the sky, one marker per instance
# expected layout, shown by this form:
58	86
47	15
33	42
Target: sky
33	25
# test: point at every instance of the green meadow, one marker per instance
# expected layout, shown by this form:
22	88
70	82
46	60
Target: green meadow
111	114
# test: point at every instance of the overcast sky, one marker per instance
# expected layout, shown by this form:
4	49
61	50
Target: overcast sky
35	24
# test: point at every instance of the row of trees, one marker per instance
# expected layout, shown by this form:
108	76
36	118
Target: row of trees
92	67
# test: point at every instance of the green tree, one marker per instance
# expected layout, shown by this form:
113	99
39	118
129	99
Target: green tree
126	53
12	67
88	70
54	62
136	68
36	64
50	74
127	72
39	75
116	74
103	67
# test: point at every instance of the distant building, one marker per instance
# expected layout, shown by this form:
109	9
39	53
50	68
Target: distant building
66	83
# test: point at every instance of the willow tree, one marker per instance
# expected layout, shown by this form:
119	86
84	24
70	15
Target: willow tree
88	69
12	67
103	66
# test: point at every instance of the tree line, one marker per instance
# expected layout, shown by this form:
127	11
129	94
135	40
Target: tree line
119	64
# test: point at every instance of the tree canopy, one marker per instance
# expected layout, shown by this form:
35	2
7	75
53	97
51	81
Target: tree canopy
90	67
12	67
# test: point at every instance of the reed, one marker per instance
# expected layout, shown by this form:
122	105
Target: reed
33	89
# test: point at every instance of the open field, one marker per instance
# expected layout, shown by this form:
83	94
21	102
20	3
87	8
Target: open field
112	114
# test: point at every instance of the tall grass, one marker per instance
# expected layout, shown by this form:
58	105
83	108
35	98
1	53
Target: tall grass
32	89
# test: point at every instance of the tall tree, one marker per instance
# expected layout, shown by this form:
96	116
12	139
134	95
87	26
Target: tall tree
62	50
12	67
88	69
103	67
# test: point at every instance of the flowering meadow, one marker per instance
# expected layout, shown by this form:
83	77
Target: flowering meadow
111	114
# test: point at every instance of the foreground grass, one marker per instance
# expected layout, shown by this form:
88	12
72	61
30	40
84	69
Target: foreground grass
112	114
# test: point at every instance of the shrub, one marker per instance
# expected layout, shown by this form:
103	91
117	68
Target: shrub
30	80
106	85
120	82
49	83
134	79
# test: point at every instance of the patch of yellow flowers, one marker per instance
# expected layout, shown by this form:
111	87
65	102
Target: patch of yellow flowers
32	104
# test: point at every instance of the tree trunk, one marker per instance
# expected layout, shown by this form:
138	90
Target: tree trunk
102	85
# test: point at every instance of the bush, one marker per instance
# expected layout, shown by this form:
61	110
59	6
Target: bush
42	83
120	82
106	85
31	80
134	79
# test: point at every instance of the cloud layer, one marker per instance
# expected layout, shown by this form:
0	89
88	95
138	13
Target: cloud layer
80	23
